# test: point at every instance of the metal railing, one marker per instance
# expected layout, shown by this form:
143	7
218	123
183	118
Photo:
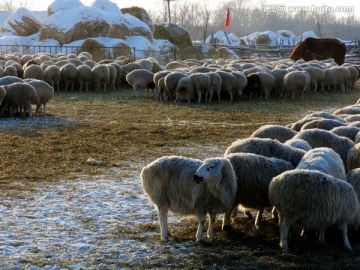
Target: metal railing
202	51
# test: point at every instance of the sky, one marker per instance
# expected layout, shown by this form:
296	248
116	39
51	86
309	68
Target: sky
335	6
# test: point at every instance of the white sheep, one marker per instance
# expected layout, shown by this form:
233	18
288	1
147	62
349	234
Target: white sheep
266	147
157	76
215	85
313	200
201	84
325	160
314	116
267	83
352	118
10	71
317	76
52	75
279	75
68	75
112	77
353	158
34	72
141	79
254	173
353	77
171	81
351	109
84	76
299	144
241	82
44	91
100	76
185	89
353	178
326	124
346	131
277	132
228	83
324	138
294	82
182	185
2	94
19	95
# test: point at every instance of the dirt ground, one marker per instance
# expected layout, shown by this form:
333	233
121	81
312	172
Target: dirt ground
111	136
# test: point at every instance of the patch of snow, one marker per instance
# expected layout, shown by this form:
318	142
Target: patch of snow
141	45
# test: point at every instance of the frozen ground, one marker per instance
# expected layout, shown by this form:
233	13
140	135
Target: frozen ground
102	223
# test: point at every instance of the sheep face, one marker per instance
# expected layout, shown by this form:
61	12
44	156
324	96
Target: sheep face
210	171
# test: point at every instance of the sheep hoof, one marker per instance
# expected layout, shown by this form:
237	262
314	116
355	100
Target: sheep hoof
228	228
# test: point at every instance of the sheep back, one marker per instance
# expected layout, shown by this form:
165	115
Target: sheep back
266	147
254	173
277	132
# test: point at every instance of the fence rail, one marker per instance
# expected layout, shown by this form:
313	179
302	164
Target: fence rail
198	52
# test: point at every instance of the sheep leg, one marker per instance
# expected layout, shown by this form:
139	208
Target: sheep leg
343	228
163	219
274	213
199	232
284	234
226	226
28	107
218	94
210	231
199	97
321	236
258	218
210	96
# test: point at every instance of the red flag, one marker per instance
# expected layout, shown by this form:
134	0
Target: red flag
227	21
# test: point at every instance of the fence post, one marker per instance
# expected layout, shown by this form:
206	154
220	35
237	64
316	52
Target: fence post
134	55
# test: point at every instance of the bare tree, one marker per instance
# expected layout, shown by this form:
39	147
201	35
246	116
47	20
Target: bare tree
11	5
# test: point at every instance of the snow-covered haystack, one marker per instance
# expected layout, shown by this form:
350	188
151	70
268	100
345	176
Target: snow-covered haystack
227	53
63	5
104	18
139	13
174	33
164	51
222	38
21	23
305	35
267	38
286	38
198	52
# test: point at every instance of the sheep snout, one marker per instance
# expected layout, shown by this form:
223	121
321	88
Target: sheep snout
198	179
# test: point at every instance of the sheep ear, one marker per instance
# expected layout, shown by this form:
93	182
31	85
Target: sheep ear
217	169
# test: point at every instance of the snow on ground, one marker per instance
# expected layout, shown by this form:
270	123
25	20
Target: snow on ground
88	224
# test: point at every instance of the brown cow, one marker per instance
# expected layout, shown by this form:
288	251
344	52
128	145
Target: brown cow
319	49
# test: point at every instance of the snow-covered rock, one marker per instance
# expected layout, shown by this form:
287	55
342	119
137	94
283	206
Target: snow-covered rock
222	38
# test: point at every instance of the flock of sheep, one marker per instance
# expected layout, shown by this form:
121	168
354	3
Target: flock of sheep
189	80
307	172
198	80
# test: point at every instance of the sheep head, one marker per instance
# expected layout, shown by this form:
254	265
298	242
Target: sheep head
209	171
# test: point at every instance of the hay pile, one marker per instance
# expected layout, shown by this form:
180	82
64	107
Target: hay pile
139	13
80	22
173	33
21	23
197	52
